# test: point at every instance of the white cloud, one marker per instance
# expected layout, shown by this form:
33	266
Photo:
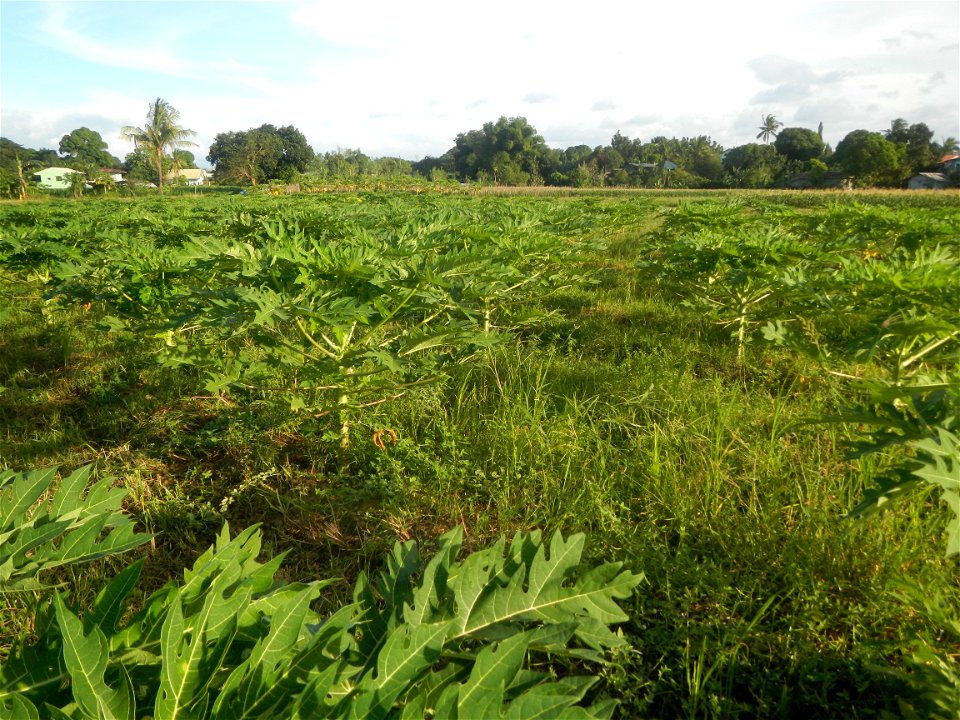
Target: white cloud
406	78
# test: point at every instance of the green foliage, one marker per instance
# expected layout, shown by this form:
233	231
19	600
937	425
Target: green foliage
258	155
69	526
611	408
439	637
799	144
159	135
85	149
321	313
871	159
751	166
932	671
740	278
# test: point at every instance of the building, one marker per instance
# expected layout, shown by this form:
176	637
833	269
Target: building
113	173
948	163
192	176
928	181
54	178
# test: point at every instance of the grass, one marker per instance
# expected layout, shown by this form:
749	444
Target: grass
624	415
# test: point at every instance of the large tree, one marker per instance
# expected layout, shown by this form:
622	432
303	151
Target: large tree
920	152
751	165
870	158
85	149
509	151
160	134
799	144
260	154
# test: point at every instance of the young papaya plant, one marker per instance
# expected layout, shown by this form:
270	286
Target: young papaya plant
437	637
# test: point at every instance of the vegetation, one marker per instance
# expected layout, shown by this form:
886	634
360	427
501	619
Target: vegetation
508	152
260	155
707	386
159	134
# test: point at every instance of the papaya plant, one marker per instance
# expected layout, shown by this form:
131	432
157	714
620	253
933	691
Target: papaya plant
900	314
437	637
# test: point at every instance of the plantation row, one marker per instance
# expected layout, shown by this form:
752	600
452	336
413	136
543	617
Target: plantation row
477	361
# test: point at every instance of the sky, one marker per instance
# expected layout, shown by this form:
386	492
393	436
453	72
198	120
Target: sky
404	78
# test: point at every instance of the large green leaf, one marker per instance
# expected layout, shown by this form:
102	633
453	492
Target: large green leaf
86	658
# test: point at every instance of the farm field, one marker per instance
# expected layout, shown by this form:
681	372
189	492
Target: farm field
746	402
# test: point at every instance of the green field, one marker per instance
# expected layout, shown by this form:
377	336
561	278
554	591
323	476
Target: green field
750	399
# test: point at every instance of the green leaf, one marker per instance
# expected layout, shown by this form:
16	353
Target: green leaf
86	658
408	653
255	687
536	591
18	707
940	460
494	670
110	601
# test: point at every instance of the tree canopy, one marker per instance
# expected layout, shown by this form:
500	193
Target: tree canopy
799	144
752	165
85	149
259	155
871	159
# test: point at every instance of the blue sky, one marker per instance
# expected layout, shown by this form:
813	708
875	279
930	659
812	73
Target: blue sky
403	78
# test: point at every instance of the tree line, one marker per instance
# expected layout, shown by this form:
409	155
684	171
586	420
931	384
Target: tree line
509	151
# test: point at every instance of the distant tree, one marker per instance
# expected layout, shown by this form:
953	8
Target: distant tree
296	152
140	168
799	144
948	146
343	162
920	152
12	155
607	160
751	166
510	151
768	129
84	148
898	131
576	154
701	157
391	166
435	167
183	159
629	149
244	157
159	134
260	154
871	159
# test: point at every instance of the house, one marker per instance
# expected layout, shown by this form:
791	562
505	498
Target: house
192	176
54	178
665	165
928	181
114	174
949	163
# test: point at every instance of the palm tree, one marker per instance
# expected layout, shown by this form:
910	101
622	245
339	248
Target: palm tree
769	128
949	146
159	134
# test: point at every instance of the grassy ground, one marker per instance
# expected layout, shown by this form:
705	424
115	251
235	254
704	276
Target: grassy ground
625	416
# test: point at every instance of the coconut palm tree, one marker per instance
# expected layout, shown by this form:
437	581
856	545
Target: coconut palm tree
949	146
769	128
160	134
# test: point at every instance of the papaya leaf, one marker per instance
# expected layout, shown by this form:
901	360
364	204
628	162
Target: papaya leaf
86	658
